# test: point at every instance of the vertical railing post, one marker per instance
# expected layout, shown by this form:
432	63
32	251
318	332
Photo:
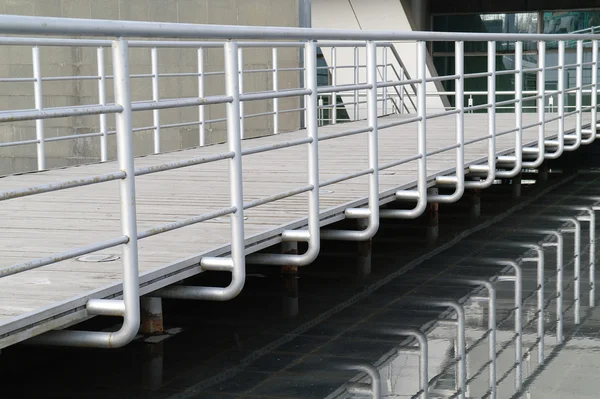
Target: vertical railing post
39	105
313	147
594	91
125	154
541	102
373	148
561	95
384	78
492	110
334	83
356	77
234	143
402	89
201	109
519	99
275	89
422	123
155	98
241	84
579	98
102	101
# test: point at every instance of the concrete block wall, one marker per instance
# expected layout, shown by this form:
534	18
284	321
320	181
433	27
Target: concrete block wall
16	62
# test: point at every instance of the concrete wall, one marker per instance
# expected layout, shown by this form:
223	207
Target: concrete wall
16	62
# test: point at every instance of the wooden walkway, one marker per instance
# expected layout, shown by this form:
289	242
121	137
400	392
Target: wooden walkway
42	225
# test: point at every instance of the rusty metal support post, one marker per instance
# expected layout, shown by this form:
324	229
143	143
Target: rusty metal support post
152	316
433	220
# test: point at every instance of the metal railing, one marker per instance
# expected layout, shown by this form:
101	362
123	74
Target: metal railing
234	98
154	77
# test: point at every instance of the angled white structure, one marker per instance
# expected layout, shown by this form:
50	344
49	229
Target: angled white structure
373	15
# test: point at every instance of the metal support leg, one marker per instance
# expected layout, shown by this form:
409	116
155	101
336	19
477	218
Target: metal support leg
433	218
459	180
236	265
421	194
423	358
129	306
517	159
312	236
490	168
372	213
152	316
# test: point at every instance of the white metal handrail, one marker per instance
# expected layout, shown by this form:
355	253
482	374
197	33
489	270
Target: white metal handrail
233	99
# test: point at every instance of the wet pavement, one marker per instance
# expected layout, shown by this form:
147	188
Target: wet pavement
294	336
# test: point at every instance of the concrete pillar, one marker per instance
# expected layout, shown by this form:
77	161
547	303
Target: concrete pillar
363	258
152	316
433	222
289	274
516	185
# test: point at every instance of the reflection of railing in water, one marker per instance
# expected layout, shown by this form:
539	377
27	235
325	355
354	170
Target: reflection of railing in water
552	239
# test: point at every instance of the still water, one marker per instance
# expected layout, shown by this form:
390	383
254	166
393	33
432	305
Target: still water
314	334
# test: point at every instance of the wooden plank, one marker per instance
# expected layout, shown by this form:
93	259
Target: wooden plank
50	223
